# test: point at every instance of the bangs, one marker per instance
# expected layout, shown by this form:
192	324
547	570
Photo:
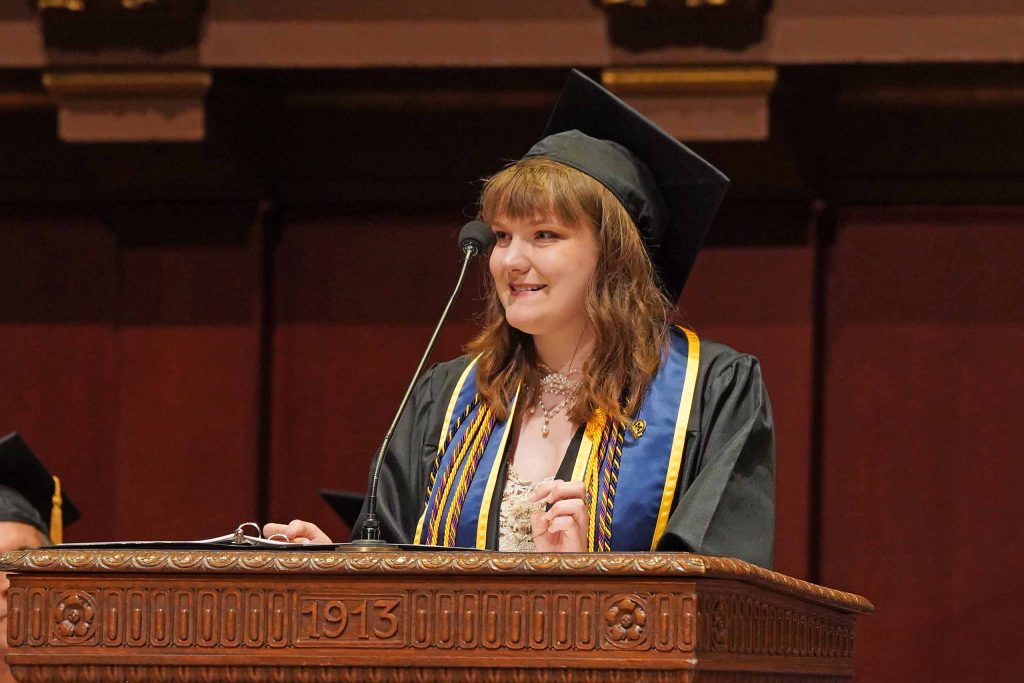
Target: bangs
536	188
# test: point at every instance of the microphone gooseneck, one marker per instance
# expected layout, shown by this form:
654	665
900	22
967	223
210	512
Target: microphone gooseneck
475	238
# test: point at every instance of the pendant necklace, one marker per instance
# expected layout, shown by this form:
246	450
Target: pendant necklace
559	384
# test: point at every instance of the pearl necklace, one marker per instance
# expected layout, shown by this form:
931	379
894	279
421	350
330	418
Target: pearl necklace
561	385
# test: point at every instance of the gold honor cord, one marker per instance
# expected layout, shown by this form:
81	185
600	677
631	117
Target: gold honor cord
444	430
57	515
679	437
586	466
453	401
492	477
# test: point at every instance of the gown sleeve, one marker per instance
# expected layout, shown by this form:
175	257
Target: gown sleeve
401	492
727	506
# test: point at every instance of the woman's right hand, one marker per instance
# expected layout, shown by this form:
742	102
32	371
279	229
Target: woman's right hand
564	527
297	531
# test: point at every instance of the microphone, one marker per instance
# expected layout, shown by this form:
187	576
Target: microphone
475	238
476	235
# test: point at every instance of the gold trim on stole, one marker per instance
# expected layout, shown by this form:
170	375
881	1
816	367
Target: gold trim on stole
444	430
579	468
679	437
492	478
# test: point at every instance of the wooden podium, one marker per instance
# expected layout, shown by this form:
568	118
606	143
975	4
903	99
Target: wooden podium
257	615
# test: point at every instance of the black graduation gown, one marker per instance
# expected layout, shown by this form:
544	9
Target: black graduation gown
725	504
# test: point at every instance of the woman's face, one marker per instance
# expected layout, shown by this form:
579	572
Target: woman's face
542	269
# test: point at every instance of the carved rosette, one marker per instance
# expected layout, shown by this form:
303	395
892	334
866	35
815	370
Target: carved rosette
625	622
74	618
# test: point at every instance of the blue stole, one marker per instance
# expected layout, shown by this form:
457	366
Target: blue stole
643	479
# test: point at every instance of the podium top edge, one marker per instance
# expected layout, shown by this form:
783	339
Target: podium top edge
435	563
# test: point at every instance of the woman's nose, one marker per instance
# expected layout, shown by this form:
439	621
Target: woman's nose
514	256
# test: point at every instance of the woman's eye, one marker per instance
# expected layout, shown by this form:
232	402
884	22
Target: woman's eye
501	237
546	235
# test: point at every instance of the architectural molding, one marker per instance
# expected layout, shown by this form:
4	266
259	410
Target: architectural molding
699	102
178	83
125	105
428	563
693	80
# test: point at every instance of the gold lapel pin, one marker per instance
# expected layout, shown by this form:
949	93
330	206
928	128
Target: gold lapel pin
638	427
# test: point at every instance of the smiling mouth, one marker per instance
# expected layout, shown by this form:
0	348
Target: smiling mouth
522	289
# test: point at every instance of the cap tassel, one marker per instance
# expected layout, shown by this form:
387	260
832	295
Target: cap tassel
57	515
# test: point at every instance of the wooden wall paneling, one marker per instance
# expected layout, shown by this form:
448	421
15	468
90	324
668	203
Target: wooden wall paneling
760	301
922	473
189	341
355	302
22	43
410	33
310	34
129	363
58	352
403	33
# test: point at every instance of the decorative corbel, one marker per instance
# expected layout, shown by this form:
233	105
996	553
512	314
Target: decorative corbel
125	70
648	24
129	105
699	103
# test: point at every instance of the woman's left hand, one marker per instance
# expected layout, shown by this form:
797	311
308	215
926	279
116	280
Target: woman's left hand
564	527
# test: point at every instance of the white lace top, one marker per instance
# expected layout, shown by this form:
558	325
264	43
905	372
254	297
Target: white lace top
515	533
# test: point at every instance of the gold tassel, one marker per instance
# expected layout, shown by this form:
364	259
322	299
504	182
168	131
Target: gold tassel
595	426
57	515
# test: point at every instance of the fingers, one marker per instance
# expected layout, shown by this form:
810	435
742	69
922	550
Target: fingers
567	526
297	531
561	535
562	528
540	522
543	490
567	490
271	528
571	508
552	491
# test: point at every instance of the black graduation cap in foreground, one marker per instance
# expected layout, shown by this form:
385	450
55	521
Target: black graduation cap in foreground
671	193
345	504
29	493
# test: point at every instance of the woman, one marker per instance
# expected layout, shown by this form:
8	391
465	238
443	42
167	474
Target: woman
579	420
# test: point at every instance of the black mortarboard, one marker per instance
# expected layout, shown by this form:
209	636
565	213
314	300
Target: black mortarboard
345	504
670	192
29	493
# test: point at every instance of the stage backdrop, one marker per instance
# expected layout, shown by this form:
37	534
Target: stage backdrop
181	386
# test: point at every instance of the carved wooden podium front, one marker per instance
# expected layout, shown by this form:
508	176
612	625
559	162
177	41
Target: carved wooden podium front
257	615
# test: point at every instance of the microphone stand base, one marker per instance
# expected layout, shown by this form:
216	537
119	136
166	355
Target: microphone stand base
365	545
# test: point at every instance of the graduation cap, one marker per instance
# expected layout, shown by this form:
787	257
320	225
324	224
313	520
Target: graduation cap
345	504
29	493
669	191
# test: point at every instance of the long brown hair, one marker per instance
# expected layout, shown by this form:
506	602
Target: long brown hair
625	308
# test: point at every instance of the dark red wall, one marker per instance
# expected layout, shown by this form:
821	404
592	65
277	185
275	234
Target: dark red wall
923	483
356	302
132	371
760	300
